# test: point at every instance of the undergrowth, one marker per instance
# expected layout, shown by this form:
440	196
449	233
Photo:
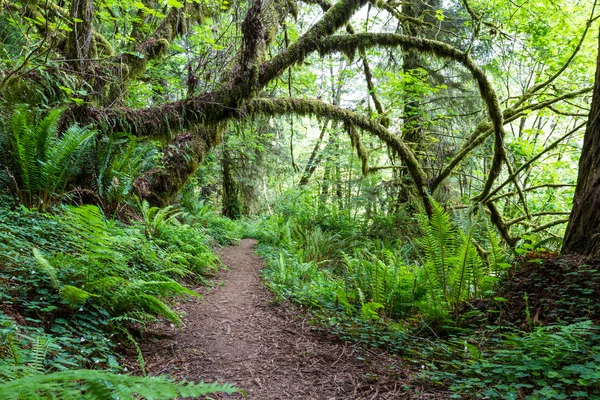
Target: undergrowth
437	300
76	288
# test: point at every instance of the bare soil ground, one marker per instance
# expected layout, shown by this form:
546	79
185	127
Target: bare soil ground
237	334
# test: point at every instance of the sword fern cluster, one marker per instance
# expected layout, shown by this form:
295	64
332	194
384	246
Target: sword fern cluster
42	161
453	267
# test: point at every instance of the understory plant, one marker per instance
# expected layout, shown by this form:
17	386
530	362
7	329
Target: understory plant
121	159
43	160
102	277
455	272
551	362
26	373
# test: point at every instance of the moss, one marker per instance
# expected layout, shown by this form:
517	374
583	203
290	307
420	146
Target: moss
180	161
17	90
317	40
362	153
335	17
271	107
104	48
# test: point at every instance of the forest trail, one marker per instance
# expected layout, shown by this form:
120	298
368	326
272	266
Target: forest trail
237	334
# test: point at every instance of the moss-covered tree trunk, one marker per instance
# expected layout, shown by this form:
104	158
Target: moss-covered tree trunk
80	38
413	132
231	204
180	161
583	231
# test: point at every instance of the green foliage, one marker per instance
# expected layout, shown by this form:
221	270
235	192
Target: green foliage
101	276
42	160
100	385
453	267
121	160
201	214
276	230
156	219
24	375
376	279
319	246
384	280
553	362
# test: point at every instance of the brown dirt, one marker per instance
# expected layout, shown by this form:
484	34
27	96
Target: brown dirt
237	334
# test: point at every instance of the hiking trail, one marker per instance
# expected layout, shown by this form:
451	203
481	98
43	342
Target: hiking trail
237	334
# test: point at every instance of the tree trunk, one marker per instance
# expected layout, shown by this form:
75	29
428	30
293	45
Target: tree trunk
80	38
181	159
231	204
583	231
313	161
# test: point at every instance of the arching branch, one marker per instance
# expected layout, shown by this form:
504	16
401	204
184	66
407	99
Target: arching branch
484	130
348	44
319	108
535	158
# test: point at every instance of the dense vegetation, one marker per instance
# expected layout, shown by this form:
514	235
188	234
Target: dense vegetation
412	170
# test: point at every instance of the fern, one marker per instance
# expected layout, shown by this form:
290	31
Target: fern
100	385
121	160
453	265
42	161
48	269
465	270
439	244
119	294
157	219
74	296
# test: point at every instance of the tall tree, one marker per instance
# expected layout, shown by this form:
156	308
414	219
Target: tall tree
583	231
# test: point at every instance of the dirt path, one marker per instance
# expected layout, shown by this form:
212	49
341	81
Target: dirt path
236	334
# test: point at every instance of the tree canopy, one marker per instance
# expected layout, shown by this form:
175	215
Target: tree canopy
458	94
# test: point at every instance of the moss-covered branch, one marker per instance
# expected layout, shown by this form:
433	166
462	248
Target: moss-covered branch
175	24
180	161
484	130
336	17
501	225
348	44
322	109
325	6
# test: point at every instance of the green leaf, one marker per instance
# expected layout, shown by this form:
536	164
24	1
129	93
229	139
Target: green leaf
174	3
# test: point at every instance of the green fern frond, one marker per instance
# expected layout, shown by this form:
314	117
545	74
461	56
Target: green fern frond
154	306
48	269
138	350
74	296
465	269
161	288
44	162
101	385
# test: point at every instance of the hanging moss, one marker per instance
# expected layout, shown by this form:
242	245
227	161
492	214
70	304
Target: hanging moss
180	161
336	17
272	107
20	91
349	43
363	154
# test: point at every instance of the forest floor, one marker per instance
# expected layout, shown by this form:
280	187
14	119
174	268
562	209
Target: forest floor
239	334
